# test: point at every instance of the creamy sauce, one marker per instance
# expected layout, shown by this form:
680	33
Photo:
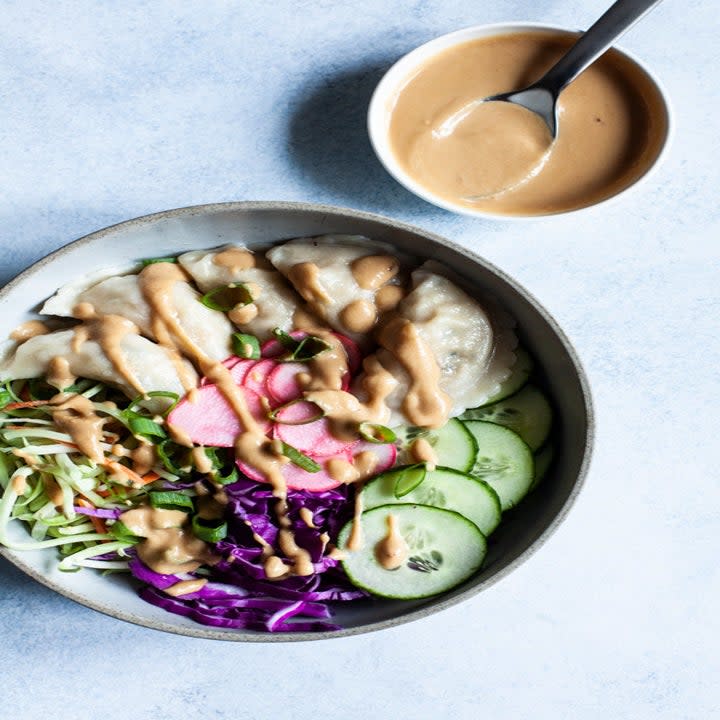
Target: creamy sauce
359	316
374	271
76	416
58	373
306	516
201	461
29	329
169	547
612	123
19	484
392	551
143	457
234	259
243	314
425	404
421	451
305	277
185	587
388	297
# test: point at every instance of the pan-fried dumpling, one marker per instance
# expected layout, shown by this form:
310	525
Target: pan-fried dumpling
147	366
473	345
274	301
208	329
348	280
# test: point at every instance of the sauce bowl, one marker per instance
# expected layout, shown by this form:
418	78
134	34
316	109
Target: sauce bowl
400	94
259	224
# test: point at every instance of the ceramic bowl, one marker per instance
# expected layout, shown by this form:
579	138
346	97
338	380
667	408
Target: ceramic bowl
263	223
385	95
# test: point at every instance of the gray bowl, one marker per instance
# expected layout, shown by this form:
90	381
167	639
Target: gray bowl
261	223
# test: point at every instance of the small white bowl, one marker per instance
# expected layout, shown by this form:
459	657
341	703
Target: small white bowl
384	98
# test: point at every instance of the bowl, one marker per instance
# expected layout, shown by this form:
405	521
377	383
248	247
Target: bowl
651	95
262	223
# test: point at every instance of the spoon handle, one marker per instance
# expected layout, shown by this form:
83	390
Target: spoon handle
619	18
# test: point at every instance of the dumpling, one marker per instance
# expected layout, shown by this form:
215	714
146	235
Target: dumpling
122	295
348	280
275	302
473	346
142	365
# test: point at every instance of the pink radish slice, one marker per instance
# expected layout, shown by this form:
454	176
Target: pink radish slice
295	477
274	348
256	378
210	420
385	454
282	382
313	438
352	351
240	370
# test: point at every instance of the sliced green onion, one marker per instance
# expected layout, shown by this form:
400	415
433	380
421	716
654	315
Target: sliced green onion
246	346
170	500
303	349
153	261
376	433
300	459
120	531
5	398
408	479
227	297
137	402
210	531
309	348
145	427
40	390
228	479
165	451
273	415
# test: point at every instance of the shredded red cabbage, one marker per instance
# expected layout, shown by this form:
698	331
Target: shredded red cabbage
238	594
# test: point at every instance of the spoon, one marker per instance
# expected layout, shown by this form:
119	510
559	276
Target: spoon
541	97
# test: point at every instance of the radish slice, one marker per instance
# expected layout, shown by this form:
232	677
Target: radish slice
240	370
295	477
385	454
352	351
312	438
256	377
282	382
210	420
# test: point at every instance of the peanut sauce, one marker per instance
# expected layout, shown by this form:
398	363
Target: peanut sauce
359	316
234	259
29	329
185	587
373	271
76	416
612	124
392	551
422	451
305	277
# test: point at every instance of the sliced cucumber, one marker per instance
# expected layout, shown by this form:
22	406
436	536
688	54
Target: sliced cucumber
454	446
543	460
443	549
504	461
527	412
519	375
442	488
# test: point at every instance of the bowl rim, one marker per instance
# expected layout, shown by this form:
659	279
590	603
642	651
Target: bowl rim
405	64
203	632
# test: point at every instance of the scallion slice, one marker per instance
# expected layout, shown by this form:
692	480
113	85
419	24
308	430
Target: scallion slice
408	479
136	403
376	433
170	500
246	346
146	428
303	349
227	297
300	459
210	531
228	479
166	451
154	261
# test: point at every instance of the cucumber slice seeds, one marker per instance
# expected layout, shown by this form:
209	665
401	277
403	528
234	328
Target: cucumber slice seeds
504	461
443	549
527	412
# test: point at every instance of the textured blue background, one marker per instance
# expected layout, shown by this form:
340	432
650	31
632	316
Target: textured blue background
111	110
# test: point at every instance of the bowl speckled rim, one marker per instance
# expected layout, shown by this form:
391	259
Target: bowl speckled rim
403	69
339	212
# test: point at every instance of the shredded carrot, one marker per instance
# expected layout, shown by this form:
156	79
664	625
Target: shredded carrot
116	467
150	477
25	404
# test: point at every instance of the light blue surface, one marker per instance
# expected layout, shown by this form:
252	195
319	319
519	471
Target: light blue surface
111	110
